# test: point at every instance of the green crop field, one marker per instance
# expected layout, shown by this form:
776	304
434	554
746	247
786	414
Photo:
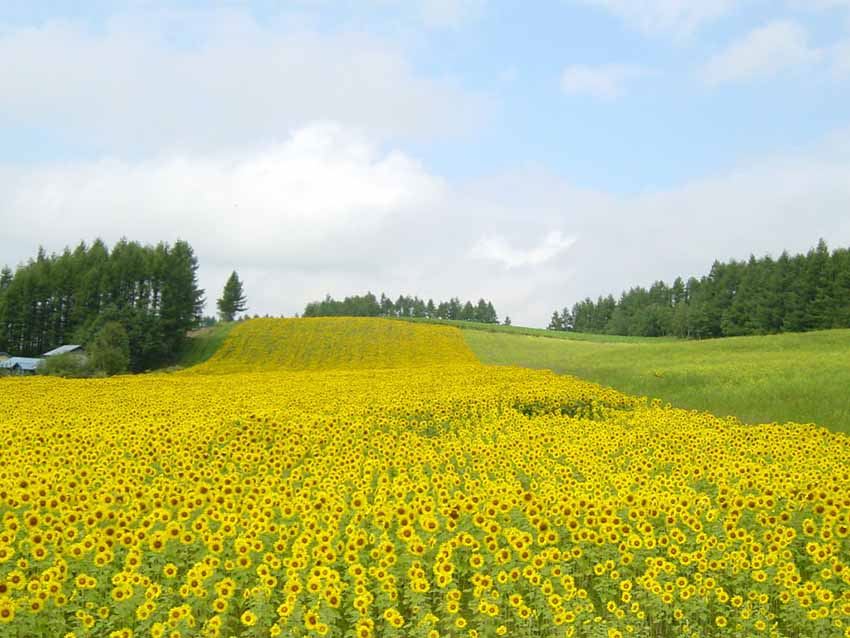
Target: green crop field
203	343
790	377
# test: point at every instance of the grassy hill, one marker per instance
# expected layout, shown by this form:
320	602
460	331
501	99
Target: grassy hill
203	343
803	377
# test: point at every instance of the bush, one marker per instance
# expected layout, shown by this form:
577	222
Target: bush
109	351
66	365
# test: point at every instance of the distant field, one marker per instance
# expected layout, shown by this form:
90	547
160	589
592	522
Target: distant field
536	332
791	377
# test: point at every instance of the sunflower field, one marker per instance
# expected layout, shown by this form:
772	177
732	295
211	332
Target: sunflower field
320	477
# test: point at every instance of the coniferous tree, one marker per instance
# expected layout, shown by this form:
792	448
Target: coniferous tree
232	300
759	296
481	312
467	312
404	306
819	284
56	299
492	317
841	288
567	322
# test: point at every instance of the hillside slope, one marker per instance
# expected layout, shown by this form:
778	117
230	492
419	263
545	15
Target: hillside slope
328	343
802	377
203	343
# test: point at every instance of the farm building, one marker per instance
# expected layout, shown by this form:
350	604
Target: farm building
69	349
3	355
19	366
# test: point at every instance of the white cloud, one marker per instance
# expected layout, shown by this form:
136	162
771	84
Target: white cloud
499	250
765	51
450	13
672	17
313	200
603	82
331	211
225	79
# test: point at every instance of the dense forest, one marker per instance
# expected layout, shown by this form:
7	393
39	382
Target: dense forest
760	296
369	305
152	291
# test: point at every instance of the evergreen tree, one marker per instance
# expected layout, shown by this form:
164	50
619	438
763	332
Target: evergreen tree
467	312
430	309
5	278
819	278
233	300
56	299
404	306
759	296
566	319
482	314
841	288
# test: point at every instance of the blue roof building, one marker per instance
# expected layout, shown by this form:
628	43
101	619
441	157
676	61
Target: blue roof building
20	365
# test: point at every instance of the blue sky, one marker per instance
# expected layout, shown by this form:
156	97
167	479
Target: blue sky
532	155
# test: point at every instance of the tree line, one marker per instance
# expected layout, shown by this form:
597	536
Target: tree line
151	291
796	293
369	305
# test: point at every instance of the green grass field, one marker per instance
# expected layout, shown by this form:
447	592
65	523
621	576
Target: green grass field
203	343
791	377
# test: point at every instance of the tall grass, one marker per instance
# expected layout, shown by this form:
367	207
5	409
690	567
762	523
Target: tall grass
803	377
203	343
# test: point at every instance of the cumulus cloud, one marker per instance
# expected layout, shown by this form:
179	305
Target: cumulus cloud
672	17
765	51
450	13
330	210
226	80
499	250
313	201
603	82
